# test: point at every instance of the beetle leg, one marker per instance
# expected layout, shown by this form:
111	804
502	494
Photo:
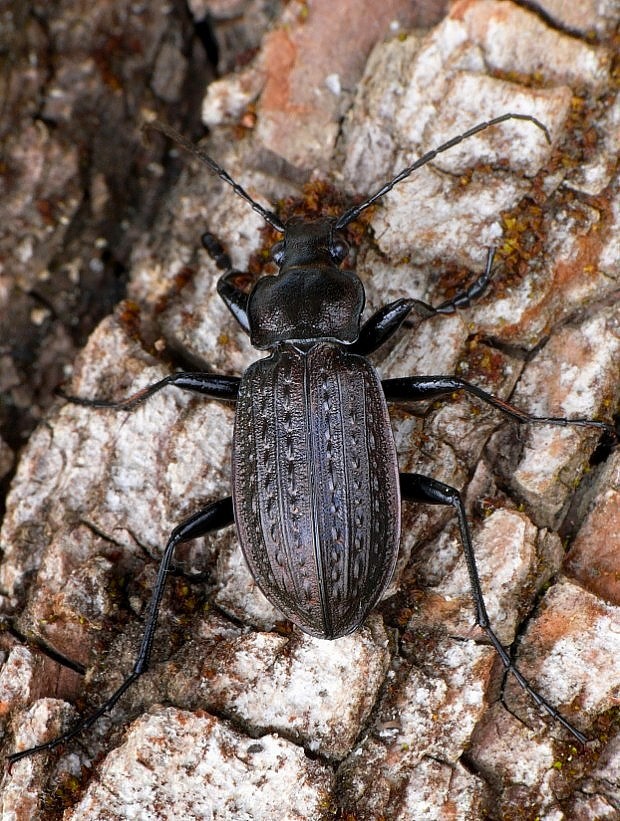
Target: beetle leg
236	300
213	385
418	388
386	321
474	291
382	325
213	517
424	490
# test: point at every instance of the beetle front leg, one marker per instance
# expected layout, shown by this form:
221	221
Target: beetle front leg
383	324
213	385
387	320
474	291
424	490
213	517
236	300
418	388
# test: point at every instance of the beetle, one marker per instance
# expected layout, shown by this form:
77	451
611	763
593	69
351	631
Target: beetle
316	490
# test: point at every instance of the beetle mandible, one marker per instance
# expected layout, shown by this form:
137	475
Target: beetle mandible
316	490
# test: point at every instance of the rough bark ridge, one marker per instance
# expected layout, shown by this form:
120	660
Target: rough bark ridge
315	103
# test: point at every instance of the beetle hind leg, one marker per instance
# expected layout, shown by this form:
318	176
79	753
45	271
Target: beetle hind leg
424	490
213	517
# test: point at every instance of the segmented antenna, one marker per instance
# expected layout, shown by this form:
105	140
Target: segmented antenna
353	213
192	149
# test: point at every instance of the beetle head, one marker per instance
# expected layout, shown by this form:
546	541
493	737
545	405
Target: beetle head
309	243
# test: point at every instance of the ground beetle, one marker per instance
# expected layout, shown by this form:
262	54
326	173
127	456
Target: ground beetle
316	490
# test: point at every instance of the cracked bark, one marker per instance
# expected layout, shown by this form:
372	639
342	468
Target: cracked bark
403	716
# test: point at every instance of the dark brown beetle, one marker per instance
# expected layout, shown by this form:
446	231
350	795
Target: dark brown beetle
316	488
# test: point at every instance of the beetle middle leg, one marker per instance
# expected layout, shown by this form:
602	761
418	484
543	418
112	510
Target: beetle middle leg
424	490
418	388
213	385
214	516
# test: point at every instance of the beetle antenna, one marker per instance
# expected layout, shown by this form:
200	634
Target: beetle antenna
192	149
354	212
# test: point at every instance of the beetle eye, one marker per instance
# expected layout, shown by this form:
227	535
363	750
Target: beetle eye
339	250
277	252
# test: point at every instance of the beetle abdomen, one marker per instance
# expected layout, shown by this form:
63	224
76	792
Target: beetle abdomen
315	486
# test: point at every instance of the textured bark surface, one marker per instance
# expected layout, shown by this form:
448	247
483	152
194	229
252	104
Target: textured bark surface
242	716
